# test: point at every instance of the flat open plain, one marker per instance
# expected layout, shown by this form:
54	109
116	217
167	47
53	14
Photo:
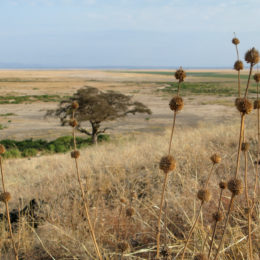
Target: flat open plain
208	95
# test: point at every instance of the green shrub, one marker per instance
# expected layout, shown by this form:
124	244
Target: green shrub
60	148
102	138
29	152
30	147
12	153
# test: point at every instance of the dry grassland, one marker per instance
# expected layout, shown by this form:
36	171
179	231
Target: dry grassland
124	173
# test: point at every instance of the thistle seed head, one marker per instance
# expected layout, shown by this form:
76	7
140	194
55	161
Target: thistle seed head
75	105
176	104
243	105
204	195
217	216
130	212
200	257
167	163
257	77
257	104
2	149
245	147
123	246
222	185
235	186
238	65
73	123
235	41
75	154
215	158
180	74
252	56
5	196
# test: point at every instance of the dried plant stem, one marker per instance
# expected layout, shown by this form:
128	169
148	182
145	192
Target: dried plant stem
165	223
215	224
191	231
242	126
159	217
238	81
7	212
258	149
84	197
248	80
225	226
173	125
250	249
178	92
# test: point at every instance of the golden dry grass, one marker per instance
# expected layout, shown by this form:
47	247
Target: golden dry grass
114	170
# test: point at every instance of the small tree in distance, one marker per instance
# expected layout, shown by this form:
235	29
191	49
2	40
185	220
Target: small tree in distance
96	107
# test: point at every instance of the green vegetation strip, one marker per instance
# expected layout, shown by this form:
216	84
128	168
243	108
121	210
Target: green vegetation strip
30	99
31	148
207	88
8	114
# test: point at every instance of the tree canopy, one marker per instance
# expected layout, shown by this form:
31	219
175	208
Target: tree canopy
96	107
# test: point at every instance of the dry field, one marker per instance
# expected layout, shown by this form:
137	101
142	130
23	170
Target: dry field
124	173
28	120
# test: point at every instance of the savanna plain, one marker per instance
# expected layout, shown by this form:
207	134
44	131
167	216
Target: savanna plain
121	176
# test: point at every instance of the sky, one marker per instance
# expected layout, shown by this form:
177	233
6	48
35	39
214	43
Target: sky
126	33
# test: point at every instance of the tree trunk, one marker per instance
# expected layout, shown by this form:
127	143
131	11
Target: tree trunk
94	135
94	138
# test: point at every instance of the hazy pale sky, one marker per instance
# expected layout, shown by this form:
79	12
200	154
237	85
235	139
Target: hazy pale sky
87	33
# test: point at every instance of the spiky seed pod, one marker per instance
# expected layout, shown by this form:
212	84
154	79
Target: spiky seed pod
238	65
130	212
215	158
123	200
217	216
204	195
73	123
222	185
252	56
5	196
243	105
235	41
238	100
2	149
200	257
75	105
257	104
235	186
75	154
167	163
123	246
180	74
245	147
257	77
176	104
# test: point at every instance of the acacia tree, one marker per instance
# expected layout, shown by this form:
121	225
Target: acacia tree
96	107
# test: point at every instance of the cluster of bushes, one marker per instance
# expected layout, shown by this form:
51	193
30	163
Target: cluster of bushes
30	147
